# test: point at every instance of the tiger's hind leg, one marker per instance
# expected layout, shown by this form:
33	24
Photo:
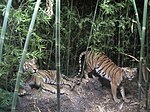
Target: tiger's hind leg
86	77
114	92
86	74
123	94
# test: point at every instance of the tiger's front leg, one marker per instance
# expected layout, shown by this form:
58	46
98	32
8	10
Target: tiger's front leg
123	94
51	89
114	92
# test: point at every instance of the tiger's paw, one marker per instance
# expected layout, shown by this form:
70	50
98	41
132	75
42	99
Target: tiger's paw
126	100
117	100
62	92
22	92
85	80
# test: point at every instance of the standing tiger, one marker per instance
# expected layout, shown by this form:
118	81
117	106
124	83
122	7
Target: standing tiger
107	69
46	79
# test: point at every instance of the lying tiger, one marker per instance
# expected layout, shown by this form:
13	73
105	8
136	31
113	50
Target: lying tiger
46	79
107	69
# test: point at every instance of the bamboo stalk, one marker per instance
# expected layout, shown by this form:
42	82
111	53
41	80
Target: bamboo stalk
146	87
24	55
146	71
69	38
137	18
135	44
57	58
90	36
142	39
50	53
4	28
142	50
119	45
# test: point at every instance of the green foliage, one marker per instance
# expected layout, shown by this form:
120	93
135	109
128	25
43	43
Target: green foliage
108	24
18	24
5	100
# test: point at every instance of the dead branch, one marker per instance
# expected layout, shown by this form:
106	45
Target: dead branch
134	59
130	56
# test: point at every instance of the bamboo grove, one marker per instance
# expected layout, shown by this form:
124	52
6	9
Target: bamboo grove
114	27
142	39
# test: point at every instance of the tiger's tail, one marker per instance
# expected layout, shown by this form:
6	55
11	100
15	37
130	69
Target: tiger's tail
77	82
80	62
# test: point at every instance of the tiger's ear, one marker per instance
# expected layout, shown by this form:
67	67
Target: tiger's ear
126	69
135	70
33	60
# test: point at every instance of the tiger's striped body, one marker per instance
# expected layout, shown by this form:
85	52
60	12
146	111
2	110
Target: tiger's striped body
46	79
107	69
92	61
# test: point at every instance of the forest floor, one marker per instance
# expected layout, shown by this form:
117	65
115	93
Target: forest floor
87	97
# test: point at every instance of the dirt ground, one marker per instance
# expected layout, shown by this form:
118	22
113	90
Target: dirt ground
87	97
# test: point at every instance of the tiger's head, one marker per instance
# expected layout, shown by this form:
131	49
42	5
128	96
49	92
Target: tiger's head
130	73
30	66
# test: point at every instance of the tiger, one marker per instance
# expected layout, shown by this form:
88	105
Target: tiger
106	68
46	79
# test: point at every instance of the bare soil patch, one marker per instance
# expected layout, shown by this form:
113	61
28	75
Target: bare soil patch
87	97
